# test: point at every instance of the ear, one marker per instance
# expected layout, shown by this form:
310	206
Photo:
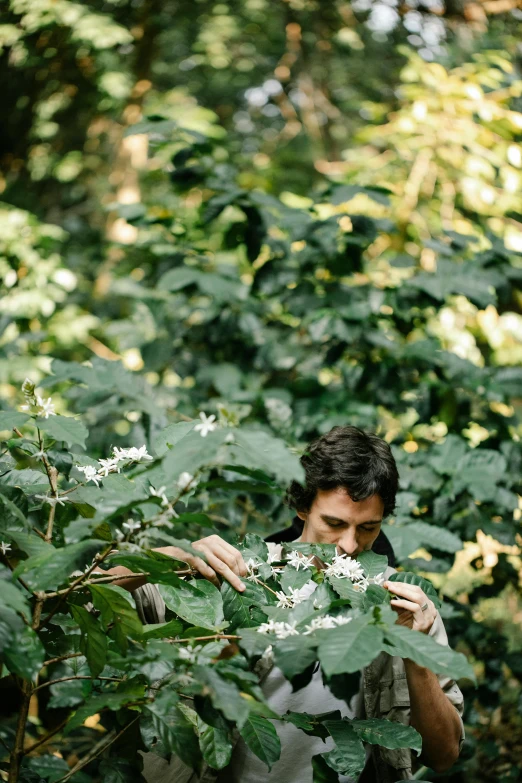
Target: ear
302	515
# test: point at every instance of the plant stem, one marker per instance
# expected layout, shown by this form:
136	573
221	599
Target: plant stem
46	738
18	749
26	688
63	595
61	658
97	750
75	677
204	638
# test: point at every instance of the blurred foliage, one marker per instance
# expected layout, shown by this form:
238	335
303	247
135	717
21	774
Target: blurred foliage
299	218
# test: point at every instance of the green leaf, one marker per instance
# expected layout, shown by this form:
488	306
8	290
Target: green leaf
51	567
94	640
200	605
262	739
14	505
432	536
21	649
409	578
350	647
294	578
65	428
259	449
215	744
30	544
11	419
224	695
170	436
12	597
388	734
117	606
68	694
242	609
350	757
162	630
425	651
253	547
322	771
372	563
114	700
50	768
175	731
294	654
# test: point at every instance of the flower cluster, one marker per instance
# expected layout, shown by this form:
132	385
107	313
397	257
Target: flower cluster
325	622
281	630
34	403
297	561
295	596
113	464
344	567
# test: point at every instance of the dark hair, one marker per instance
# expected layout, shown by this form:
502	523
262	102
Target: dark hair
348	457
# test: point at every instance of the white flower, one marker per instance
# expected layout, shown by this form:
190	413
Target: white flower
5	547
303	593
342	620
325	622
268	655
344	567
284	601
378	579
296	559
273	556
134	454
252	567
188	654
185	480
108	466
361	585
206	425
281	630
157	493
319	623
52	501
90	473
132	525
45	408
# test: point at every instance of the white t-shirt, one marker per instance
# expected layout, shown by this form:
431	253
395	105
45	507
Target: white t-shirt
297	748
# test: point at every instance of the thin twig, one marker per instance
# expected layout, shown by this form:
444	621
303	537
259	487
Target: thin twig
204	638
75	677
61	658
97	560
259	582
46	738
96	751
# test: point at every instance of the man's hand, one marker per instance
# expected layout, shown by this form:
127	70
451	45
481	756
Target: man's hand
410	605
222	559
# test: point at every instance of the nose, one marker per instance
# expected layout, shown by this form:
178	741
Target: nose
348	544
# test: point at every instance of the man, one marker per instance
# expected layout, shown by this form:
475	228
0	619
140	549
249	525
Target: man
351	481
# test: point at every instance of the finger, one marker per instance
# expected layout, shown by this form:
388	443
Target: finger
410	606
214	545
239	565
204	569
411	592
224	570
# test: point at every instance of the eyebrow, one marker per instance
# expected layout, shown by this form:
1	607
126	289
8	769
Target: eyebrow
328	518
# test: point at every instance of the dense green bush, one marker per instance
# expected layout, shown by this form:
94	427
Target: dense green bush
285	272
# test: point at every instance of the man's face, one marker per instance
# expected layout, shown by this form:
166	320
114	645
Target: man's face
334	518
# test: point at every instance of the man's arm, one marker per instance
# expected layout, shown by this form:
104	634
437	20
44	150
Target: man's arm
432	713
434	717
221	560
